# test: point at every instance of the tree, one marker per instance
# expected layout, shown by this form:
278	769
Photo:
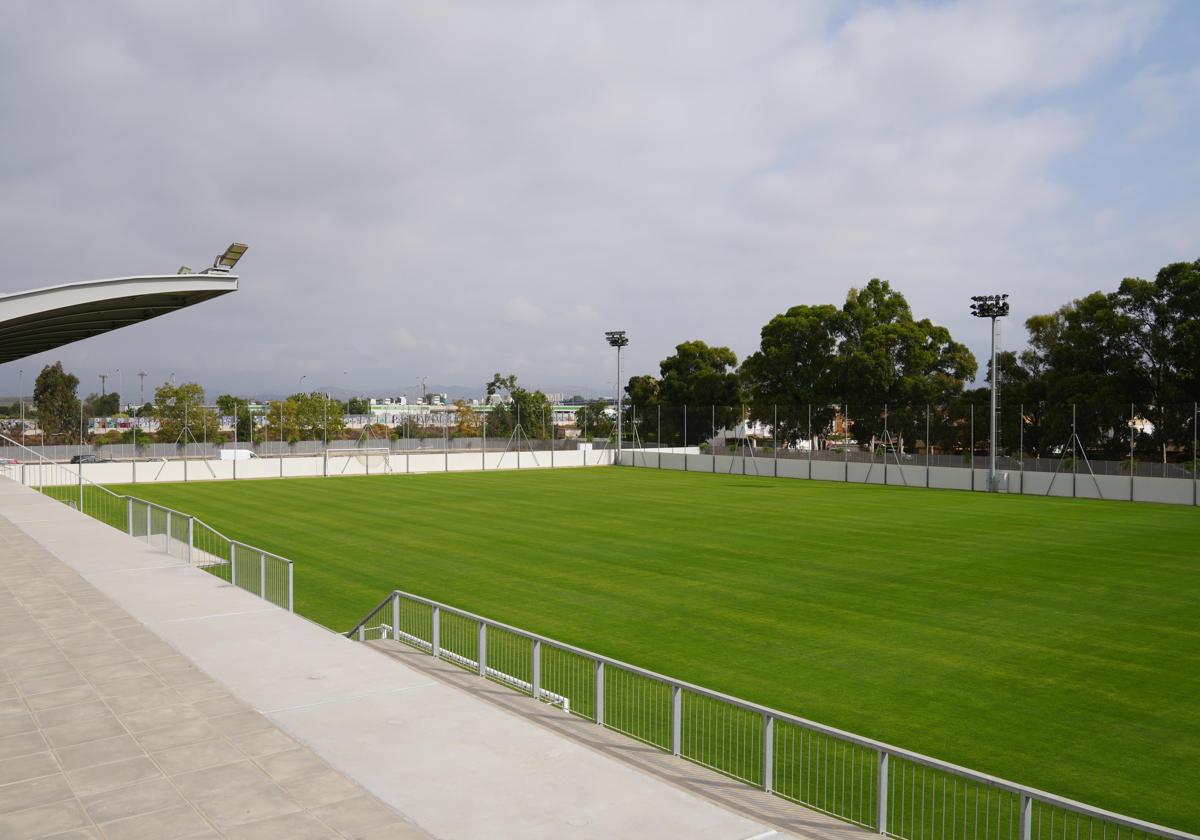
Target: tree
239	410
287	413
531	408
57	403
499	383
597	419
469	423
107	405
182	416
359	406
699	379
318	416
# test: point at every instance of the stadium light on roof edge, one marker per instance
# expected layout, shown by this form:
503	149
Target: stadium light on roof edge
617	338
229	259
991	306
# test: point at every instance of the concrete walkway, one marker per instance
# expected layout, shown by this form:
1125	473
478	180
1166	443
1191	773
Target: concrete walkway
275	699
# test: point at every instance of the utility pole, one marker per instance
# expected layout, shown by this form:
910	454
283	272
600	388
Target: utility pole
994	307
103	380
141	388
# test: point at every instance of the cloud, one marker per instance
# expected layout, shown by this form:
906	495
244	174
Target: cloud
446	190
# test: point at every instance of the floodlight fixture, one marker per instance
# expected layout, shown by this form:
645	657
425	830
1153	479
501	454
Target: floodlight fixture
618	339
229	259
992	306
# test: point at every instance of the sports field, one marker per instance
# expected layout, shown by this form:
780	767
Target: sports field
1055	642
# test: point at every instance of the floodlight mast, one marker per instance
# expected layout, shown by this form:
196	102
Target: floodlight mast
617	338
991	306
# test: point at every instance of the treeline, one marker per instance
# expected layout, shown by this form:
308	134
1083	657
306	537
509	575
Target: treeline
1124	364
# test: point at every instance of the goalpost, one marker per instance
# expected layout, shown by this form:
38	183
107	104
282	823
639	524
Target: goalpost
358	461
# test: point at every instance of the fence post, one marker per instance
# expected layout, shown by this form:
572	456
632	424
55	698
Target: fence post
233	563
676	719
768	753
290	567
128	510
395	616
262	575
881	807
1026	816
481	657
599	680
362	632
191	537
149	522
535	678
167	536
435	632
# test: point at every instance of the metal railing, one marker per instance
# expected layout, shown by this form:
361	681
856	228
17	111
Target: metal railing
869	783
175	533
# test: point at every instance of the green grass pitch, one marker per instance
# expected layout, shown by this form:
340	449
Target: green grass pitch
1055	642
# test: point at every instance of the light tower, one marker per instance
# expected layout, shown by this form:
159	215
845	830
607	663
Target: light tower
994	307
617	338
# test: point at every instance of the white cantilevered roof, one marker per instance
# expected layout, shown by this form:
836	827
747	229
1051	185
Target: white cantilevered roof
43	319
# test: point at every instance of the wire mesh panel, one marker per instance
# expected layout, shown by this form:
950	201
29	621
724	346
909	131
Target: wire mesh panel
825	773
569	676
722	736
139	513
211	551
1050	821
179	538
158	528
415	625
638	705
925	803
247	567
378	624
510	659
459	639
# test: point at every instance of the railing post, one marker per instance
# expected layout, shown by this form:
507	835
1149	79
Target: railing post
481	658
882	795
191	537
676	719
536	675
129	513
362	632
149	522
599	692
395	617
768	749
290	567
1026	816
167	536
233	563
435	633
262	575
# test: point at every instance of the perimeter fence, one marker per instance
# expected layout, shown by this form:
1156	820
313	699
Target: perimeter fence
174	533
862	781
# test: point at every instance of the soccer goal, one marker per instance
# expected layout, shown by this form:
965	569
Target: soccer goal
358	461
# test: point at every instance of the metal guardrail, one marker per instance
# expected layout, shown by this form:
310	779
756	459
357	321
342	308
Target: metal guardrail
177	534
872	784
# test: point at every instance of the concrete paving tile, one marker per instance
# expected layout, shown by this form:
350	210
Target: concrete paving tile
43	820
292	826
263	742
8	691
169	824
104	777
120	671
158	717
33	673
167	664
354	816
129	686
290	765
13	746
60	715
49	655
218	706
83	731
12	706
40	791
217	780
75	834
68	678
145	700
106	658
240	723
15	724
196	756
190	676
243	804
144	798
396	830
62	697
191	732
322	788
202	691
104	751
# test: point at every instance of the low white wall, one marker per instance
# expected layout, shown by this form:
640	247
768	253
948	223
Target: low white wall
1108	487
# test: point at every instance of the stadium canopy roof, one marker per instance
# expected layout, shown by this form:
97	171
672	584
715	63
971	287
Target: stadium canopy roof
43	319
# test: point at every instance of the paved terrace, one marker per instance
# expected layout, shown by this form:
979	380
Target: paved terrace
142	698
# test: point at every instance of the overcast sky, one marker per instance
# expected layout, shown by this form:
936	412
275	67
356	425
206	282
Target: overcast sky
450	190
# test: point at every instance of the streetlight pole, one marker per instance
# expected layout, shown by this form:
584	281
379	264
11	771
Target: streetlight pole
617	338
21	395
993	307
